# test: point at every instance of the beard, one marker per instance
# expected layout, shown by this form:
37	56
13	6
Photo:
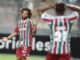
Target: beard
24	18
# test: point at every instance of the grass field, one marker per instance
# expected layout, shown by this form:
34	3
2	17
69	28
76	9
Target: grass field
13	57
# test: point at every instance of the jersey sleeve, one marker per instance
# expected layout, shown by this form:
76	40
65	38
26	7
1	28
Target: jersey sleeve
46	17
74	16
16	29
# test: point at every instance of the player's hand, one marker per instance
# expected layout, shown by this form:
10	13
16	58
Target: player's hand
35	20
4	39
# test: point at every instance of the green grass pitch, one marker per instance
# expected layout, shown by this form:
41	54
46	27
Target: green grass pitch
13	57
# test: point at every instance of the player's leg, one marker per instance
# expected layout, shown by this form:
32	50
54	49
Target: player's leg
23	59
51	56
18	51
25	52
18	58
65	57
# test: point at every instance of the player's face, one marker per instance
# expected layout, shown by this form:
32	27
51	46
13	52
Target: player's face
24	14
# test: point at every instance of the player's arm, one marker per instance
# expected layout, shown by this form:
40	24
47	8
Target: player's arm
35	25
10	36
73	7
42	10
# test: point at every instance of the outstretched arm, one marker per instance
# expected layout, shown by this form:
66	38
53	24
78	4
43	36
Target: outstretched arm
10	36
73	7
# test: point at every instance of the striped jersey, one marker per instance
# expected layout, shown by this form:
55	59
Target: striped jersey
25	33
60	29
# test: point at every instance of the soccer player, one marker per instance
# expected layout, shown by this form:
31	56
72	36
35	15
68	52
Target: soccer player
25	27
60	29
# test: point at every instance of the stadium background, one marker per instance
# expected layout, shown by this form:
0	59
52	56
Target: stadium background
10	14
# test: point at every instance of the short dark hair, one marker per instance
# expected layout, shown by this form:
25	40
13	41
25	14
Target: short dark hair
60	8
29	11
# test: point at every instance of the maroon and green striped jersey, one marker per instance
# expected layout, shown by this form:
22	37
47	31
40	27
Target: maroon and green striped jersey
25	33
60	29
